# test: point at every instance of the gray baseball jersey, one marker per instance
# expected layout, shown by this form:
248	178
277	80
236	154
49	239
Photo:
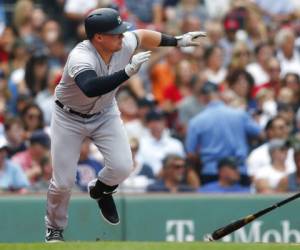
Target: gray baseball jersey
85	57
69	130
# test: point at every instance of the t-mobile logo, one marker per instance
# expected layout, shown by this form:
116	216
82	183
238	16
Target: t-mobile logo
180	230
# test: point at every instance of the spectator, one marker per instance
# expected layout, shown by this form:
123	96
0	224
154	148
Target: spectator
241	56
33	159
33	118
287	54
88	167
274	83
137	128
291	183
228	179
16	83
22	19
214	30
45	98
141	176
190	105
268	178
157	143
180	88
12	177
42	181
292	81
127	105
259	68
219	131
278	11
286	110
52	37
215	72
256	32
146	14
7	39
75	11
285	96
14	132
162	71
36	73
51	31
276	128
231	26
241	83
217	9
266	106
172	176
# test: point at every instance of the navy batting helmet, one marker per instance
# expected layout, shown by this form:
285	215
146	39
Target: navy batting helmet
105	21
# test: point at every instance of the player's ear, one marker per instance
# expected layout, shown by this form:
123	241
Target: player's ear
98	37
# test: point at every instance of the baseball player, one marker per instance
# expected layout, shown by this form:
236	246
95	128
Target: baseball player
85	106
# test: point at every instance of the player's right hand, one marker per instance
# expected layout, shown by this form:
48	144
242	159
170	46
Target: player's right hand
136	62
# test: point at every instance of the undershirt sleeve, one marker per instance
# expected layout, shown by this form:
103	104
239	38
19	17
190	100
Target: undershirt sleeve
92	85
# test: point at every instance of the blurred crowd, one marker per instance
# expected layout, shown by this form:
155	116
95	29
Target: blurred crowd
222	117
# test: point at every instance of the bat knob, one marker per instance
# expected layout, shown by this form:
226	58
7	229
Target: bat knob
208	237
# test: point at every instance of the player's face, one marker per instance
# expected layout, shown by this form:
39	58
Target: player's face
112	43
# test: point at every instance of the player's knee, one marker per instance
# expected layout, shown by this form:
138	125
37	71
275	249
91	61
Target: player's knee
64	186
124	169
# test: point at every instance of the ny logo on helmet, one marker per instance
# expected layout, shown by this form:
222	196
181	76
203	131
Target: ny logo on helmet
119	20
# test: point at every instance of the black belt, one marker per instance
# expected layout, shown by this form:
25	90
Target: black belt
64	107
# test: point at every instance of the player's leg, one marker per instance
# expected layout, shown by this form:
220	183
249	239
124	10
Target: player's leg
66	139
111	139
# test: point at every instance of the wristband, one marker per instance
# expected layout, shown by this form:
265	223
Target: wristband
167	40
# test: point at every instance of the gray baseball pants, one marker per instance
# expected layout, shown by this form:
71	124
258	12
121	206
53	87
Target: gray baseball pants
68	131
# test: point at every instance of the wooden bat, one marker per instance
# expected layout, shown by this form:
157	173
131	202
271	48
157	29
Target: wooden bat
223	231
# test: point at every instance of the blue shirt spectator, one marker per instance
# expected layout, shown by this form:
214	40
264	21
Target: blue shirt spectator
12	177
219	131
87	170
228	179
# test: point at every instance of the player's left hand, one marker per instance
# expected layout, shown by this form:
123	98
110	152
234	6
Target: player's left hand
190	38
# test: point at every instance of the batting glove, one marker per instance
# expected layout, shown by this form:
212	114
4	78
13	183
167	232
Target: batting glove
136	62
190	39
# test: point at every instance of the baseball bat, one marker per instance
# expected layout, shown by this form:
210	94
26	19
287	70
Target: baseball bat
223	231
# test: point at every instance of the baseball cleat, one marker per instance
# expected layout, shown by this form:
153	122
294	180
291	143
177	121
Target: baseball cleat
105	200
108	210
54	235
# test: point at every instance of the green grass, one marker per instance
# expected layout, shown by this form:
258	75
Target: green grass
146	246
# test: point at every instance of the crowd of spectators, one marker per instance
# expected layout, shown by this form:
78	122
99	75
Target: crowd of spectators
220	117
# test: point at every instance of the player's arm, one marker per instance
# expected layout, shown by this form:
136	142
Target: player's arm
152	39
92	85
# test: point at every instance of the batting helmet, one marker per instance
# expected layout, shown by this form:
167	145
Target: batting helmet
105	21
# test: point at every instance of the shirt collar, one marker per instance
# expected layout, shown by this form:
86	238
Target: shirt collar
215	103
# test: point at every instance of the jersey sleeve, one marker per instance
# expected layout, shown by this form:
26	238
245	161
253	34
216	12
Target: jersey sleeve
79	62
131	42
